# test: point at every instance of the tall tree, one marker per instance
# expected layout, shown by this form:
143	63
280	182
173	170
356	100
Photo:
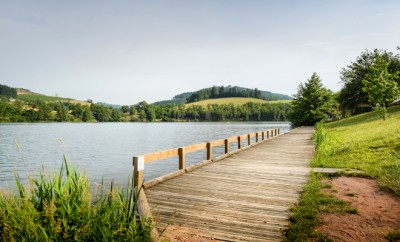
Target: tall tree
312	103
352	92
381	85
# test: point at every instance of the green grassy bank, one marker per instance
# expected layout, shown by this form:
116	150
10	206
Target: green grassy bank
365	143
61	207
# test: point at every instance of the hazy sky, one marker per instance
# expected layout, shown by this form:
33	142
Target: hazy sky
124	52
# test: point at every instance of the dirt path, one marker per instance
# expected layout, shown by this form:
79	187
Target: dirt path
378	212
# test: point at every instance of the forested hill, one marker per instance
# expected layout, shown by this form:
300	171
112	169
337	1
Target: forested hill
222	92
8	91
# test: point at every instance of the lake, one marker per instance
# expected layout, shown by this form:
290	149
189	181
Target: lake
105	150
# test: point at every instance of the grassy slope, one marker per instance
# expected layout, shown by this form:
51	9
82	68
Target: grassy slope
233	100
31	96
365	142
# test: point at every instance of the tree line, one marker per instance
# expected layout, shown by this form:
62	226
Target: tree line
7	91
222	92
212	112
40	111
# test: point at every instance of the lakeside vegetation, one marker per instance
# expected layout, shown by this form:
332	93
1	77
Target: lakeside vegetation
31	107
61	207
365	143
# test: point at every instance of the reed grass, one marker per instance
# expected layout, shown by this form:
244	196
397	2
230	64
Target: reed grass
62	207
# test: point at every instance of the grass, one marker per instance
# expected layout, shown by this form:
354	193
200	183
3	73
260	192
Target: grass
61	207
313	202
367	143
364	142
34	96
233	100
393	236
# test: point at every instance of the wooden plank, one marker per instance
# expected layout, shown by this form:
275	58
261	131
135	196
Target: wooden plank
196	147
217	142
160	155
233	139
217	202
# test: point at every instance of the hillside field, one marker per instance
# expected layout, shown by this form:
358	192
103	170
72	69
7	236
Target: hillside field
27	95
233	100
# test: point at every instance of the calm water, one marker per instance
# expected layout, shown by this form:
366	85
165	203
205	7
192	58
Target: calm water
106	149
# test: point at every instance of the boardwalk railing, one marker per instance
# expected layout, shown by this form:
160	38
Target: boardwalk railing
139	161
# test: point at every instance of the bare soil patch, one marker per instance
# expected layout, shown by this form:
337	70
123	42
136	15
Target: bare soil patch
180	233
378	212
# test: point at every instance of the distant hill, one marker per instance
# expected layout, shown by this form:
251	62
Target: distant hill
233	100
178	99
182	98
114	106
27	95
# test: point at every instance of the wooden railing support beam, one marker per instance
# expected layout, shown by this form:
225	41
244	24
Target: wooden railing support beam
182	159
209	151
226	146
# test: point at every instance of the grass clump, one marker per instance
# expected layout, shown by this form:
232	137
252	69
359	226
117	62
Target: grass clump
305	215
364	142
313	202
393	236
61	207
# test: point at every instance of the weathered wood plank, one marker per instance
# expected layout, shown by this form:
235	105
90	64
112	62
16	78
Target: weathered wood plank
245	197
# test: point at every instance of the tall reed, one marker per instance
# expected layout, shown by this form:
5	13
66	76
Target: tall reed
62	207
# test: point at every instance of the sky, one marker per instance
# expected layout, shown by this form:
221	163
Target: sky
124	52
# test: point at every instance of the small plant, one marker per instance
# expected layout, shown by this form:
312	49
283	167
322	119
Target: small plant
61	207
319	134
393	236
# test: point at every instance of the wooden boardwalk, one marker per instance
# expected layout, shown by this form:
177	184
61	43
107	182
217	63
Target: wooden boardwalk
245	197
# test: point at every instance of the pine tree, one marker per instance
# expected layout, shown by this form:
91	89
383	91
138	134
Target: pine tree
312	103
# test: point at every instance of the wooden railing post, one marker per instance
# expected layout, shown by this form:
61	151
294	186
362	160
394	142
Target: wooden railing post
239	142
267	134
182	160
142	204
279	131
226	146
256	137
209	151
138	172
248	139
263	135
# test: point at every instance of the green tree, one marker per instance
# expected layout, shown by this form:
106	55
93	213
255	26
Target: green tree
87	114
352	93
115	115
312	103
62	112
125	109
381	85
